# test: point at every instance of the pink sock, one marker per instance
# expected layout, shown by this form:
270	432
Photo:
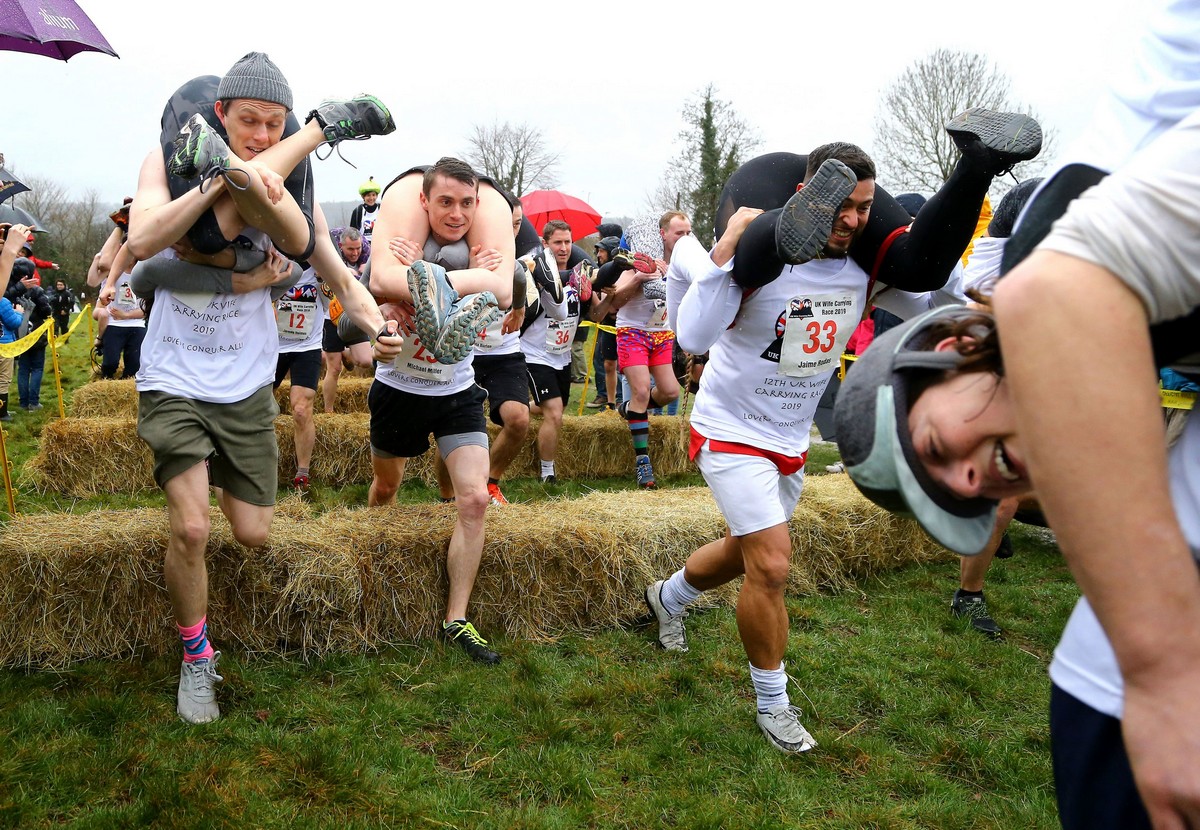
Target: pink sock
195	641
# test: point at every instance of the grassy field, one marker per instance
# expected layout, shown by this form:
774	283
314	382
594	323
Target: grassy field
922	723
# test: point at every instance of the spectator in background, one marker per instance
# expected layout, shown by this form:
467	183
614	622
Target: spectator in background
27	252
10	315
363	217
31	364
62	303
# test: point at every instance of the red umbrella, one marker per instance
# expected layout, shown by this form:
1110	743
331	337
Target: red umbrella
541	206
54	28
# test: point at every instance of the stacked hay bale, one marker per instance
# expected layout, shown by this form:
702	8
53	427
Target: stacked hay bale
90	585
85	457
118	398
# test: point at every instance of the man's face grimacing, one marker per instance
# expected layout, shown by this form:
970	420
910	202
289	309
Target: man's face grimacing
559	244
451	207
851	220
351	250
675	230
252	126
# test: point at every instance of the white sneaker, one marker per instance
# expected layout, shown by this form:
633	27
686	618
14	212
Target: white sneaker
836	468
781	725
671	634
197	699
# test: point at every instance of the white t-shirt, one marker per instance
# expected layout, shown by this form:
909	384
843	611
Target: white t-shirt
642	313
767	372
218	348
300	315
126	300
547	341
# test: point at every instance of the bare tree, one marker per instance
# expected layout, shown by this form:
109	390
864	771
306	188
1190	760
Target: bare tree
911	146
714	141
515	155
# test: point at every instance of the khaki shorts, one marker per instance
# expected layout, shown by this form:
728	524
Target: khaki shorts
238	439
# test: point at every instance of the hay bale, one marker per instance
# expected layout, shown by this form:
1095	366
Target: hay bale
90	585
84	457
105	399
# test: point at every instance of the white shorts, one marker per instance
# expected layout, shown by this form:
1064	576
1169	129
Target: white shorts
749	490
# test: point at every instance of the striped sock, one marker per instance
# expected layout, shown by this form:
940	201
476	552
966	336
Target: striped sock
195	641
639	430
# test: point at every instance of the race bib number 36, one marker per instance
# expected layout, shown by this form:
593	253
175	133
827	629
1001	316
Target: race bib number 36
817	330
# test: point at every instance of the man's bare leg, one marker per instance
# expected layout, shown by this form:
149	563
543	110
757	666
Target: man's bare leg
511	438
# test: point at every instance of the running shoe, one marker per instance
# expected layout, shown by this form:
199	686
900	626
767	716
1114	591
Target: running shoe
463	633
300	483
467	319
803	228
550	480
645	473
975	609
433	298
623	257
997	140
353	120
654	289
781	725
200	151
599	402
672	635
197	698
495	497
839	467
623	409
546	277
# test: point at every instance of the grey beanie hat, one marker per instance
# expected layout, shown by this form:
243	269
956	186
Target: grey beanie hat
871	422
254	76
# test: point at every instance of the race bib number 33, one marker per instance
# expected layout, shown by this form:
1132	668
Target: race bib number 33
817	330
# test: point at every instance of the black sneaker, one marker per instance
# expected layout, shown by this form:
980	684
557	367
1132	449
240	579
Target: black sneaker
996	140
974	608
463	633
353	120
803	228
545	276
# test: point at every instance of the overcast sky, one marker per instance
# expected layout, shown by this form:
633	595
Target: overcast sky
605	82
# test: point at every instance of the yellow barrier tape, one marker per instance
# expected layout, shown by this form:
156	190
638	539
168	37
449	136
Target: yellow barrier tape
601	326
27	342
85	312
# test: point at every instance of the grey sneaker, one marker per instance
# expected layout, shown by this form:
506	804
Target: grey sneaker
654	289
803	229
197	698
781	725
671	634
463	327
353	120
975	609
997	140
433	298
200	151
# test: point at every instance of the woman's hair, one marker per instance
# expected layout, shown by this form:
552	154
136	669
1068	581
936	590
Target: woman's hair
977	342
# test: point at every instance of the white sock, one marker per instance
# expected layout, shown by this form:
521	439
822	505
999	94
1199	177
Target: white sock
770	685
677	594
547	469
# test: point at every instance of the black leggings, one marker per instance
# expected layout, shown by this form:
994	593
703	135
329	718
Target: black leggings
920	260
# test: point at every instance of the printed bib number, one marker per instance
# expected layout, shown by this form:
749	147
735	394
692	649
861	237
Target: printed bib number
817	330
658	320
416	362
294	318
491	337
125	300
559	336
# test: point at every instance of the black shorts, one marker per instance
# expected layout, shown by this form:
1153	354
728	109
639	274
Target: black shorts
546	383
401	421
304	366
608	345
1092	778
504	378
330	342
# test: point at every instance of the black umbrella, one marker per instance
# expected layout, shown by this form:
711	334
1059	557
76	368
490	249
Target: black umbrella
19	216
10	185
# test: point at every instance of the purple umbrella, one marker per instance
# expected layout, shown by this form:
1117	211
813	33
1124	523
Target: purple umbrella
54	28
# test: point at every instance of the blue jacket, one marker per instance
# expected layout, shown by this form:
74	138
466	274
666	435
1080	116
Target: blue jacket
11	321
